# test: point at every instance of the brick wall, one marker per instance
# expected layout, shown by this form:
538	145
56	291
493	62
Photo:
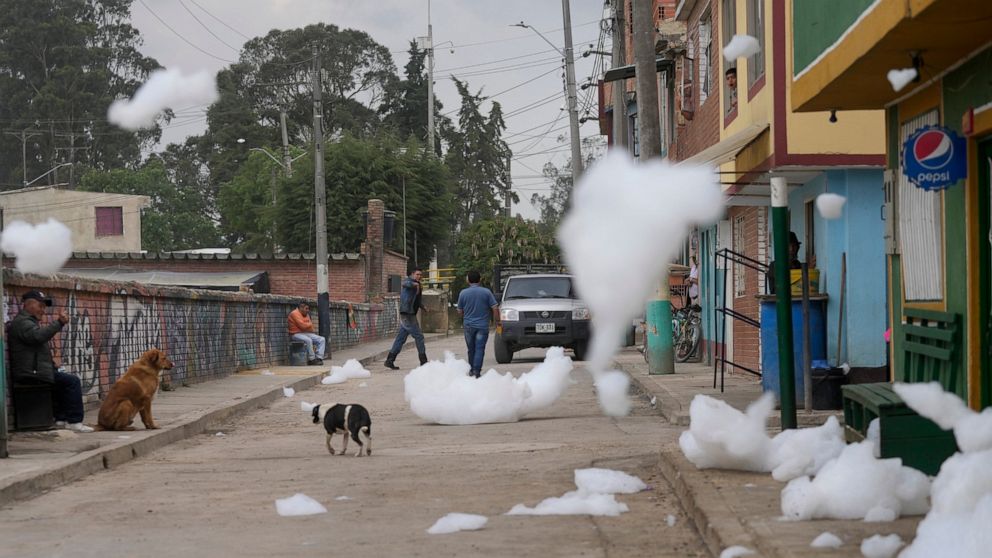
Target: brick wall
747	339
208	334
703	130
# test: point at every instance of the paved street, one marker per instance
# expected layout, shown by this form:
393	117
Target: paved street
214	495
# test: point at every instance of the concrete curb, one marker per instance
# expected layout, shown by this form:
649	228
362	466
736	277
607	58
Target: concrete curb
665	403
32	483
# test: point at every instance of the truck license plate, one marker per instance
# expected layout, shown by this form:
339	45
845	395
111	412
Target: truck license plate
544	328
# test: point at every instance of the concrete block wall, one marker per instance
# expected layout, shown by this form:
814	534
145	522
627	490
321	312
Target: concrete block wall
207	334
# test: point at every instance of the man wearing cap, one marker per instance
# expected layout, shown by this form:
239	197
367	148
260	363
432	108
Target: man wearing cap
31	359
794	262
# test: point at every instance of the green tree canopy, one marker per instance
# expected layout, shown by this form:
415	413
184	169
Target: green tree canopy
62	63
405	106
502	240
176	218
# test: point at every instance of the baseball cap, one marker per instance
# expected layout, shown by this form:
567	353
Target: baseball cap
36	295
793	239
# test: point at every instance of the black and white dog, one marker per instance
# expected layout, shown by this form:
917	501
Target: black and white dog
353	419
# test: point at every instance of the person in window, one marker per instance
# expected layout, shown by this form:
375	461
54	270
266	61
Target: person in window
731	76
794	262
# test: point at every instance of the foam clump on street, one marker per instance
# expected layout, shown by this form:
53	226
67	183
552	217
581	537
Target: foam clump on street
721	437
736	552
43	248
827	540
299	504
879	546
442	391
595	495
830	205
961	494
741	46
307	407
288	391
454	522
854	485
352	369
164	89
627	220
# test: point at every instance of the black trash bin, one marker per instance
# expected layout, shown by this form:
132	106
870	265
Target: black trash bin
827	394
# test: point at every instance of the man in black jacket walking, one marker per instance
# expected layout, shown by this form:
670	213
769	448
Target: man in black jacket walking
409	305
31	359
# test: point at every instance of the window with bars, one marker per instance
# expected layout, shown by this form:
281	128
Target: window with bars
921	231
756	28
729	25
109	221
706	55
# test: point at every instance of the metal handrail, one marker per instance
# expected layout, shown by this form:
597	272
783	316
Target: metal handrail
720	360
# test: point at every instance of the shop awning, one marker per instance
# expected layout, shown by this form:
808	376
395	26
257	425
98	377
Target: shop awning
727	149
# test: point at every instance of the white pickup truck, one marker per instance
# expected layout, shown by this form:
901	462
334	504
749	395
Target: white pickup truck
541	311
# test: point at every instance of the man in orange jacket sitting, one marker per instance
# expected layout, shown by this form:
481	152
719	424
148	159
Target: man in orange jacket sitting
302	330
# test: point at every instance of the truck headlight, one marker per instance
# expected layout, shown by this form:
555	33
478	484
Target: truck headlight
580	313
509	314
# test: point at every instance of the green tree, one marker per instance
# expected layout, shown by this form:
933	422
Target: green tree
357	169
175	218
478	158
405	106
554	204
502	240
62	63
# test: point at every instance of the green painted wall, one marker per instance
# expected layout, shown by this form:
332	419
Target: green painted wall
817	24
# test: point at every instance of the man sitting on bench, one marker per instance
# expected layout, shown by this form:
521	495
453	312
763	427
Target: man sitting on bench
31	359
301	329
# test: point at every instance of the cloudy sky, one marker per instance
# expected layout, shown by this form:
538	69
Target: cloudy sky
473	39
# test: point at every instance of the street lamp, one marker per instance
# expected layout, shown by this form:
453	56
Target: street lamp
573	109
285	166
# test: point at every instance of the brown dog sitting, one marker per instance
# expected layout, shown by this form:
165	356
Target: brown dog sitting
132	393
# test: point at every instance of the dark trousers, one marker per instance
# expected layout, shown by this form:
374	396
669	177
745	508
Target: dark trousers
408	327
475	342
67	398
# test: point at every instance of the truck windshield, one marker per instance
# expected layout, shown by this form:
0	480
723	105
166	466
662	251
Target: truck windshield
538	287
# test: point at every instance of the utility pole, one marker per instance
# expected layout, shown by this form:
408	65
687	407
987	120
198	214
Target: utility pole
24	135
783	301
403	180
3	381
619	87
287	161
573	108
661	357
507	203
430	82
320	204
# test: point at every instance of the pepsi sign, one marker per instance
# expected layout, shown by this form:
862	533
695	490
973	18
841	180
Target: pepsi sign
934	158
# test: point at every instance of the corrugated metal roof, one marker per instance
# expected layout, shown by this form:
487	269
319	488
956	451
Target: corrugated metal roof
197	280
188	256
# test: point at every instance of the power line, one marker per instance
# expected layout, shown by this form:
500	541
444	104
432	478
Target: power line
219	20
209	30
523	36
176	33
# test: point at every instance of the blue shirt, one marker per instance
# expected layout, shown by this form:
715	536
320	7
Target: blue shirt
476	302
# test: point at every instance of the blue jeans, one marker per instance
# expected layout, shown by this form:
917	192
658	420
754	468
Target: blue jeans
67	398
475	342
315	344
408	326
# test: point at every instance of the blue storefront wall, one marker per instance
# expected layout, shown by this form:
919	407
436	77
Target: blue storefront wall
859	234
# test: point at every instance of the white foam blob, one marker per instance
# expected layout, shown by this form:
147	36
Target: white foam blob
879	546
627	220
736	552
826	540
43	248
830	206
607	481
454	522
288	391
900	78
444	393
299	504
352	369
741	46
164	89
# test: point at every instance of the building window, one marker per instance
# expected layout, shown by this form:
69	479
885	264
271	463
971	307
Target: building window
729	25
740	272
756	28
109	221
921	231
706	54
664	106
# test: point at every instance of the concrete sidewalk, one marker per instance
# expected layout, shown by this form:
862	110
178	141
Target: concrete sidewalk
40	461
732	507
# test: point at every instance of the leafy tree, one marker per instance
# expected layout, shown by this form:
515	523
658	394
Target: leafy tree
357	170
405	104
62	63
175	218
506	240
478	159
553	205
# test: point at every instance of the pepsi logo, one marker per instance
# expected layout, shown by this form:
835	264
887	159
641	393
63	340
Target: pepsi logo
933	149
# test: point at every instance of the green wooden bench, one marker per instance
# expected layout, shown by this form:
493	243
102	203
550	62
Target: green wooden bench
918	441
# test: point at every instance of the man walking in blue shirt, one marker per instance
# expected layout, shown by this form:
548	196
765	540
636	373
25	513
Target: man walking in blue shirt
475	305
